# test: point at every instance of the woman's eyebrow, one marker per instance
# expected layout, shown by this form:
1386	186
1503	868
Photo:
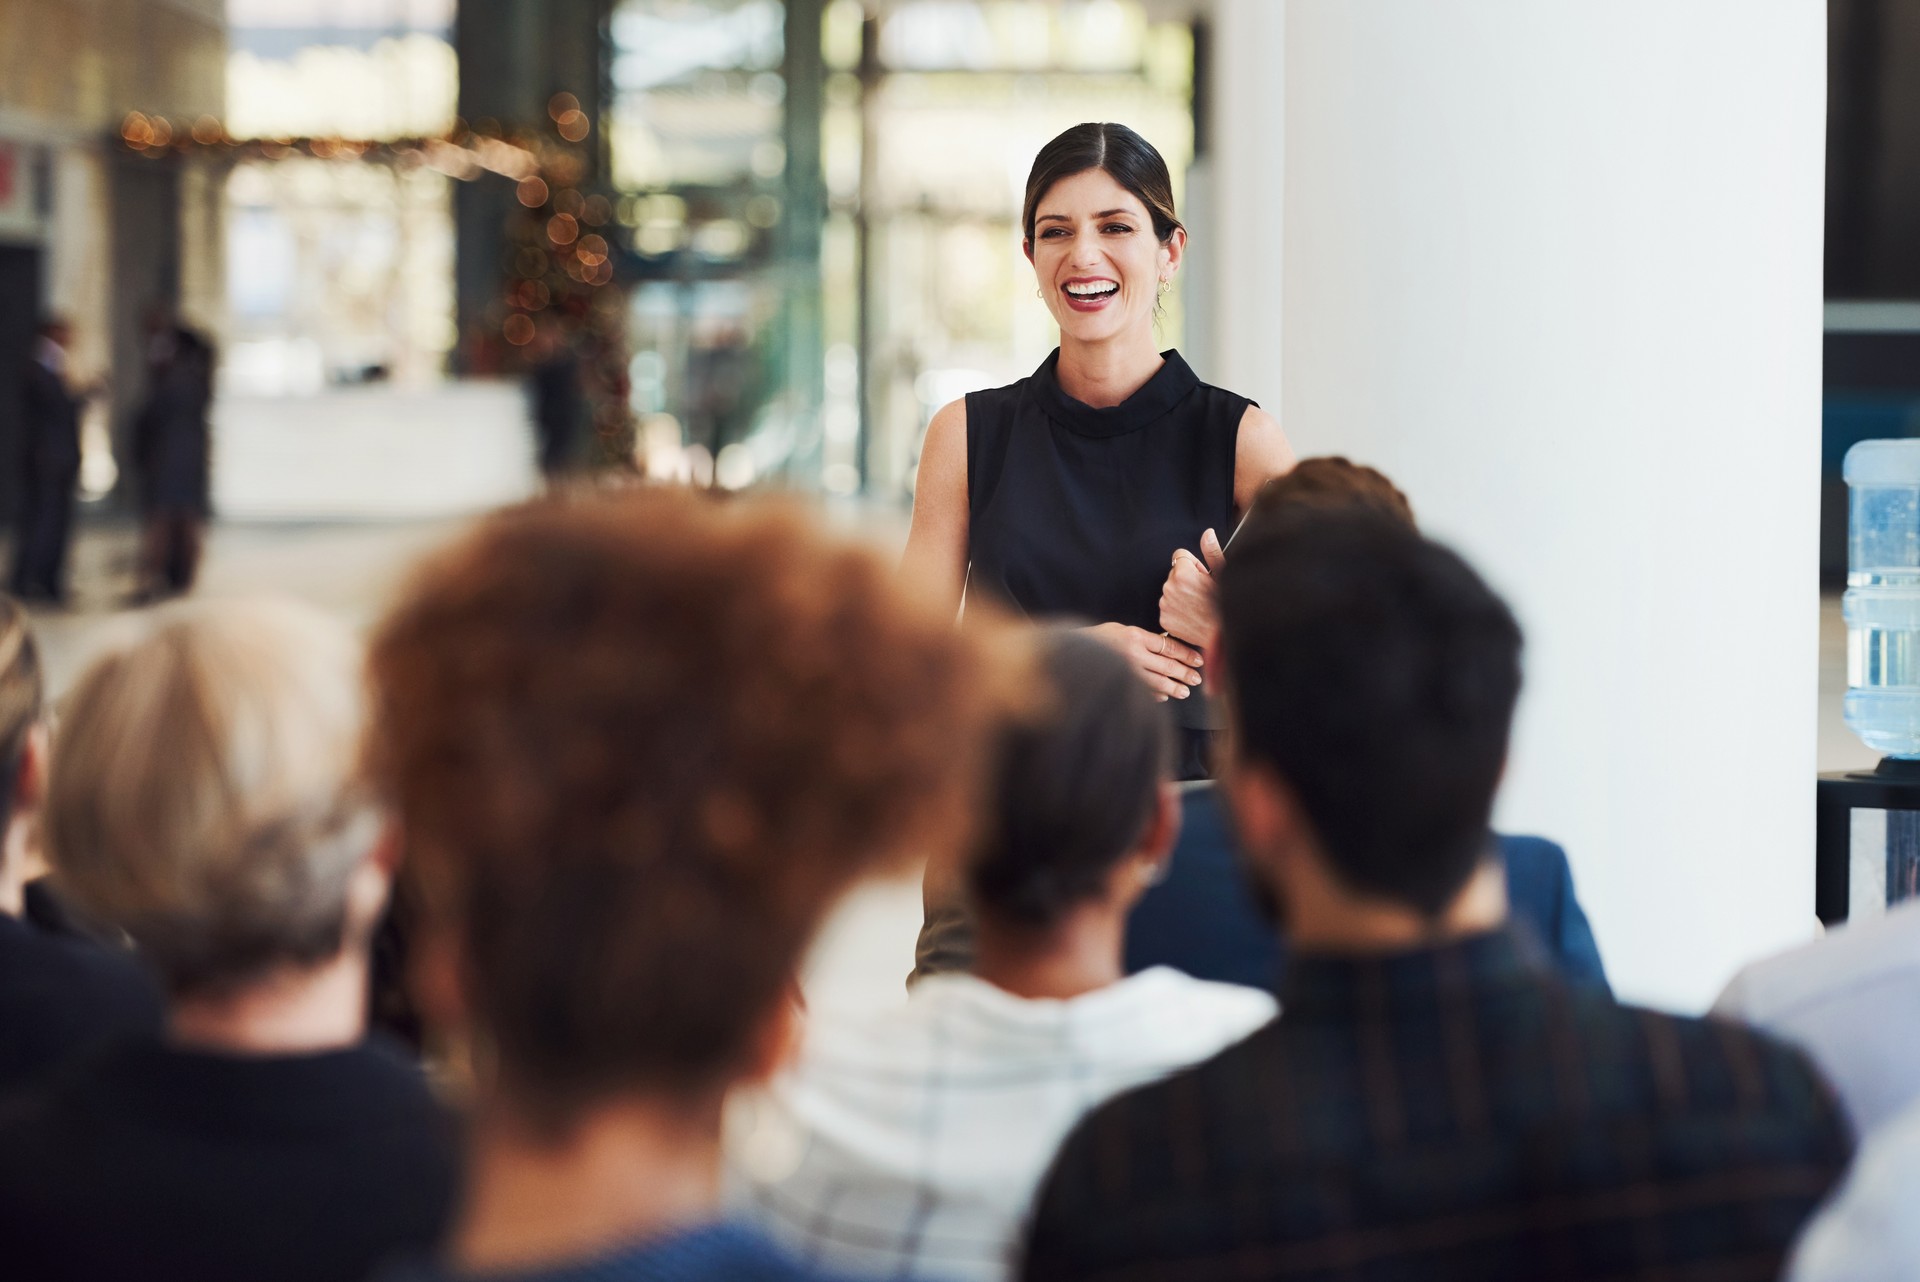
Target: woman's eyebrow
1062	218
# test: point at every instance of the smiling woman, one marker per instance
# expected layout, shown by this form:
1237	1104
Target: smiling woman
1072	494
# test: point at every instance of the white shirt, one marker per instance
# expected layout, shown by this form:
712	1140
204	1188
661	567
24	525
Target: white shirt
910	1143
1852	1001
1869	1232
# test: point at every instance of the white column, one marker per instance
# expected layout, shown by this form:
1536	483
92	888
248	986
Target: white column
1556	268
1246	189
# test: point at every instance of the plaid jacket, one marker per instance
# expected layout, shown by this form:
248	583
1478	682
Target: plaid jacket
1455	1113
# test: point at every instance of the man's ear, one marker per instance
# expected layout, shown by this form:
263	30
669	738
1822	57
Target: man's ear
1163	829
30	780
777	1043
437	978
389	849
1147	863
1266	817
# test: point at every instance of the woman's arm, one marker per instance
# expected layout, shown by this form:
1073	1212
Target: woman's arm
936	555
1261	454
1187	608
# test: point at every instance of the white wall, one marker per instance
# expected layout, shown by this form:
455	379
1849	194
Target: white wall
1246	180
1557	269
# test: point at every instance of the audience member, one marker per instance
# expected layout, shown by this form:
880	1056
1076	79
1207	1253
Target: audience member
172	447
1868	1232
48	466
921	1133
1202	917
1189	607
1205	918
205	798
1433	1103
59	996
640	744
1852	1001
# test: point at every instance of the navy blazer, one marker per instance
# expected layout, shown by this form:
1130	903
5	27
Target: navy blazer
1203	919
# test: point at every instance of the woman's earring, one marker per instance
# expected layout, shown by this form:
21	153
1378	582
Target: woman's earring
1165	285
1038	294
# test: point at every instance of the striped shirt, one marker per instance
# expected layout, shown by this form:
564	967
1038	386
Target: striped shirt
908	1143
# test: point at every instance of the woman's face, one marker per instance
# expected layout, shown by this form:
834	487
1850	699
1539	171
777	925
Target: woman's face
1095	255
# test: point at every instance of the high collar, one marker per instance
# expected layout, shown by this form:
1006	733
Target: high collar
1169	385
1391	985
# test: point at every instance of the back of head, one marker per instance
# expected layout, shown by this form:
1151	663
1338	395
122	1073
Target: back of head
1376	675
205	793
639	744
21	694
1075	787
1331	483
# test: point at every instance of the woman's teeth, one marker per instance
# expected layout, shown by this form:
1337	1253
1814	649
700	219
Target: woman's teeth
1100	290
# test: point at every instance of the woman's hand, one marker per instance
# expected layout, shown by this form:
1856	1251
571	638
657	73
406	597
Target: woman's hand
1170	668
1188	607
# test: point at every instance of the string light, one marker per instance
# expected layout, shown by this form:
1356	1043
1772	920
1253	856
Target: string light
557	271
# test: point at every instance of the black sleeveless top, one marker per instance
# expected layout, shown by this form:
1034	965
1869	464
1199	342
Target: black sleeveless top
1074	512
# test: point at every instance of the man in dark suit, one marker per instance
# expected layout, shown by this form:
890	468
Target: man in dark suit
1206	916
172	446
49	468
1433	1102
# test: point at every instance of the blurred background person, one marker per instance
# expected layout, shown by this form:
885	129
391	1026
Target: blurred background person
640	744
559	400
922	1133
206	797
49	467
60	997
1065	494
172	448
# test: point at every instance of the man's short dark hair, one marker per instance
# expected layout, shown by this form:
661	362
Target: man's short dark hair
1075	787
1376	674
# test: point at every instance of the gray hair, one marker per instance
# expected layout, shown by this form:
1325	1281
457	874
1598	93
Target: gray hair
206	795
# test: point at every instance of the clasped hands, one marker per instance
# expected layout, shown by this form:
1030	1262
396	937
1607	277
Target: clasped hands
1188	614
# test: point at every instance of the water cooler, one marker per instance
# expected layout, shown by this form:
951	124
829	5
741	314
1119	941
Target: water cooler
1867	824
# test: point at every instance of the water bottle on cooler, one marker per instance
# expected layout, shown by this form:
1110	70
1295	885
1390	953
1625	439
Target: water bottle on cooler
1882	602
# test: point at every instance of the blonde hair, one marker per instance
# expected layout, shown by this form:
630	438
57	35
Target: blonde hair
206	795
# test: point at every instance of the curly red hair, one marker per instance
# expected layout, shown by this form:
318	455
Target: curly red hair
640	743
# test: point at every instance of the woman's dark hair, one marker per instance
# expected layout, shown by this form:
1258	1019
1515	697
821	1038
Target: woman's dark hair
1116	151
1076	786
